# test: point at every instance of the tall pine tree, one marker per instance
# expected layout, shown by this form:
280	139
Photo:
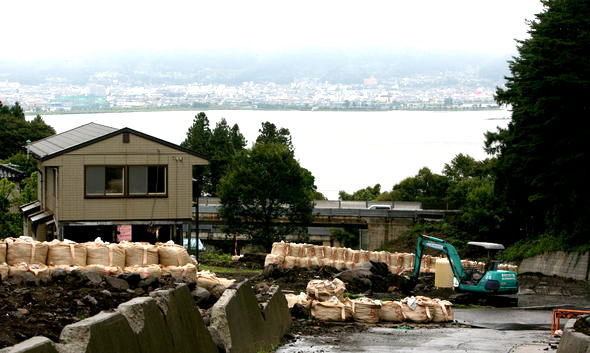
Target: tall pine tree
543	154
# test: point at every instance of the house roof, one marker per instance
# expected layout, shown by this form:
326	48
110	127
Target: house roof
85	135
10	172
56	143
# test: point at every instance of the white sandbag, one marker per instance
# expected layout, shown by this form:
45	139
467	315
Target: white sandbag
296	250
4	269
226	282
384	257
274	259
140	254
391	311
328	253
66	253
172	255
374	256
443	311
396	270
39	270
348	309
340	265
364	256
280	249
427	264
315	262
339	254
323	290
178	272
355	256
108	255
292	262
300	298
207	280
407	261
145	271
319	251
308	250
25	250
350	265
416	310
328	311
105	270
366	310
328	262
2	251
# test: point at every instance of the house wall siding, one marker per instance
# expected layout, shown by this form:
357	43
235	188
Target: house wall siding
73	206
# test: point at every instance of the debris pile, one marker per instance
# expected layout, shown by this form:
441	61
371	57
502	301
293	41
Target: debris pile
324	300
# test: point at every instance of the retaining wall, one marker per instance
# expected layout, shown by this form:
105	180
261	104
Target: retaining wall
568	265
169	321
573	342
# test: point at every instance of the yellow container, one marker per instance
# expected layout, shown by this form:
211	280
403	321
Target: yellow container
443	276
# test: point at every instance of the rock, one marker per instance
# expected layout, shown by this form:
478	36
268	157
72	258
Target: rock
139	291
131	278
107	293
117	283
59	274
526	291
191	282
90	299
217	290
273	271
91	278
201	295
261	288
150	280
73	277
29	279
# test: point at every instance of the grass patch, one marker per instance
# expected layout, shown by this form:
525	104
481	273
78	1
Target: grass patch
215	256
221	269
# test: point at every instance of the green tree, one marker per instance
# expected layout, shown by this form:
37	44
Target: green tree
219	145
266	194
269	133
16	130
10	223
426	187
542	154
366	194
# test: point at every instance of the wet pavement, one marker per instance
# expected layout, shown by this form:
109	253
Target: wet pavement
499	330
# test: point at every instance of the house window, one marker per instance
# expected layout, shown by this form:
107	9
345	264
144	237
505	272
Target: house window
147	180
105	181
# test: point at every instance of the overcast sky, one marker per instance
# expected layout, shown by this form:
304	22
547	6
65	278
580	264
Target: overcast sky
44	29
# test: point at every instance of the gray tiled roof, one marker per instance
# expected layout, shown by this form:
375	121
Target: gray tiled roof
10	171
57	143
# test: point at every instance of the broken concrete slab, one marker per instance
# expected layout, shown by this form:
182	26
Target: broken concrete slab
103	332
239	322
147	322
189	333
38	344
277	317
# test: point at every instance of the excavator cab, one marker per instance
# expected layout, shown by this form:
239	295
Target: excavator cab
475	274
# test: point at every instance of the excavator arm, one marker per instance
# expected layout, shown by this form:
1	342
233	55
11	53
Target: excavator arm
443	246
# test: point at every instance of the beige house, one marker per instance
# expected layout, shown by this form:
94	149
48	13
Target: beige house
95	180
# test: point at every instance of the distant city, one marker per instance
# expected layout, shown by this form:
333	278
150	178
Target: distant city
388	83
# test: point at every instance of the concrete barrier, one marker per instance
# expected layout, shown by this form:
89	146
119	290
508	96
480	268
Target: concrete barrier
148	324
568	265
277	317
38	344
573	342
100	333
188	331
242	326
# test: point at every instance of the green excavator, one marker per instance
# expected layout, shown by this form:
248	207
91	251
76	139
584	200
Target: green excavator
470	280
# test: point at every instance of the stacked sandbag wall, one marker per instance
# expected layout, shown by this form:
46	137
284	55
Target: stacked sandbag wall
293	255
326	302
24	254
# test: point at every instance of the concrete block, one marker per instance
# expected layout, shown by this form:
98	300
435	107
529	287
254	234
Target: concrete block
38	344
189	333
104	332
277	318
573	342
147	322
237	318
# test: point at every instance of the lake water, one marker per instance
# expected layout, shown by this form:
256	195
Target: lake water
343	150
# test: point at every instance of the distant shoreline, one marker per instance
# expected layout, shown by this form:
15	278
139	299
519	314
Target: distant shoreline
277	108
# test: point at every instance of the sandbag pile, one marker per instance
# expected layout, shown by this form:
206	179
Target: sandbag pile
213	284
18	255
325	300
292	255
